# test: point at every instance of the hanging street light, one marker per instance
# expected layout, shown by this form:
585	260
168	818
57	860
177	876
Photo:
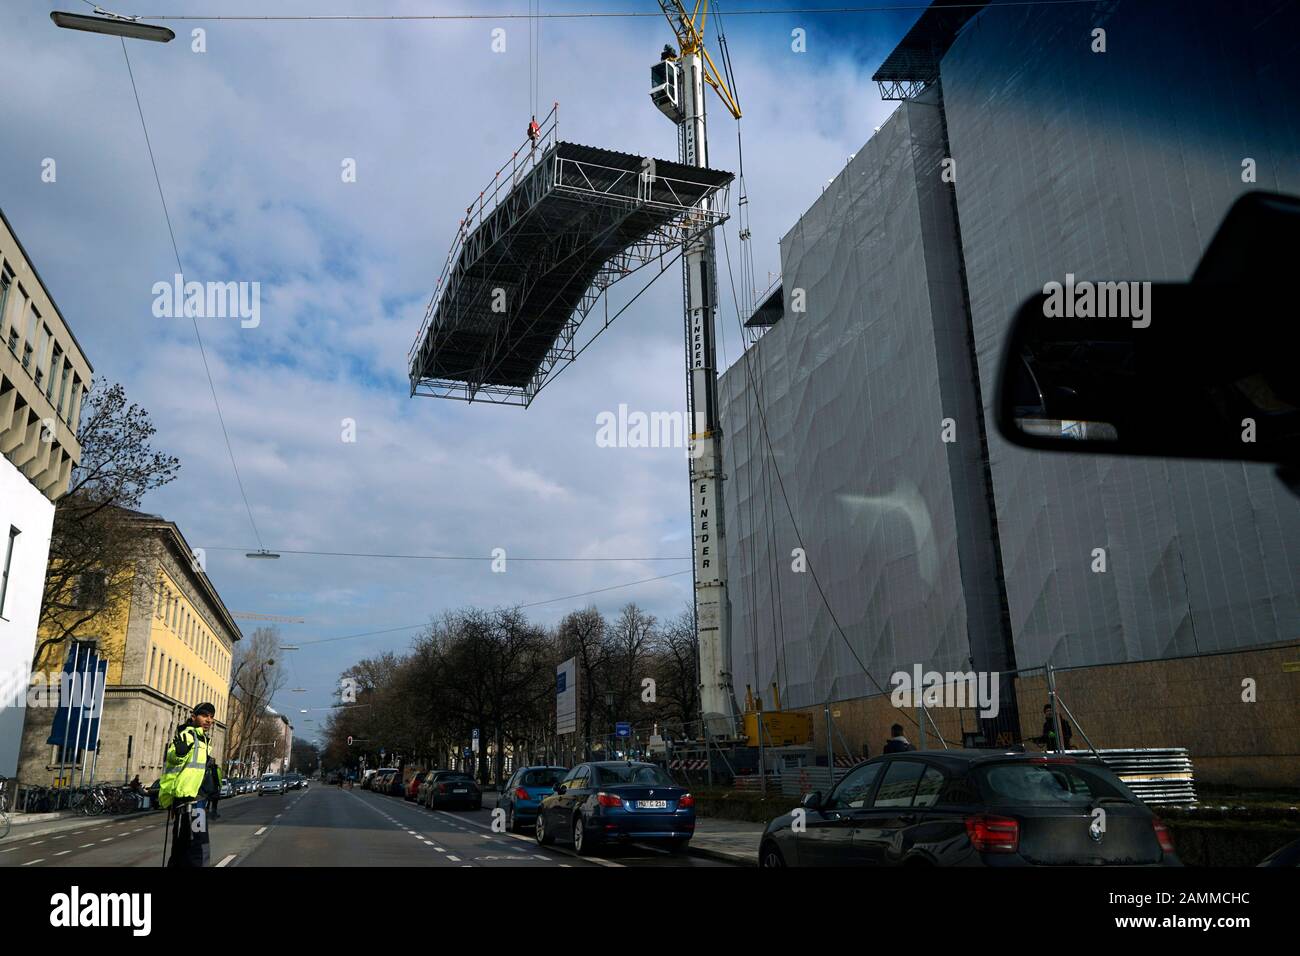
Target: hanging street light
112	24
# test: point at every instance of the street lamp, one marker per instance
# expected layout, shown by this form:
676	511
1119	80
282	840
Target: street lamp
112	24
261	553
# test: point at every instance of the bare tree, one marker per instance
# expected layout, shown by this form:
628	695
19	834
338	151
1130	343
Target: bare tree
95	545
257	676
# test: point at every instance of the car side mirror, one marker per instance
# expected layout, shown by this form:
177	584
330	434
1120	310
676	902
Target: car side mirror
1201	369
812	801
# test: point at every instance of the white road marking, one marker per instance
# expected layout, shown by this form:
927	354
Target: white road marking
430	842
60	837
227	860
260	832
37	843
105	840
454	859
84	845
279	815
30	862
440	849
63	852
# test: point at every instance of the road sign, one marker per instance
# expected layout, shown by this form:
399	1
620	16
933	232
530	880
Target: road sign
381	751
623	729
474	734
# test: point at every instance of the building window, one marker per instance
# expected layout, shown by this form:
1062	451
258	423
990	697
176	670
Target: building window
89	592
153	657
6	282
9	560
63	389
56	364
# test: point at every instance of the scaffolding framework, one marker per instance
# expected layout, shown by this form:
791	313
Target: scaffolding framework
558	226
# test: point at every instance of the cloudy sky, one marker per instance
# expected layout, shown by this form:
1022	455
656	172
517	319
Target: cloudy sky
249	139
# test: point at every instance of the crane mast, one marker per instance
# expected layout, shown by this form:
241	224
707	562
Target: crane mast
678	90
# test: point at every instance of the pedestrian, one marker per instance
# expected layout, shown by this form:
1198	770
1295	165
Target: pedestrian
187	783
897	743
1048	739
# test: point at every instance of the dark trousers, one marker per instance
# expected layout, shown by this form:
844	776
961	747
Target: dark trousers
189	834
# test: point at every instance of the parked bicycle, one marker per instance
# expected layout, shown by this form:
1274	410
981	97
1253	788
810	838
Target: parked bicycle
4	807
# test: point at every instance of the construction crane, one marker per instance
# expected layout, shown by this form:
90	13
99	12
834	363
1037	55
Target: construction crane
250	616
677	89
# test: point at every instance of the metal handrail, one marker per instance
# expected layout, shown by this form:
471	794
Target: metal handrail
486	202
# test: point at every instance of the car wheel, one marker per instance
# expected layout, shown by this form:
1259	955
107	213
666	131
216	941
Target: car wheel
511	825
769	856
479	805
581	845
542	832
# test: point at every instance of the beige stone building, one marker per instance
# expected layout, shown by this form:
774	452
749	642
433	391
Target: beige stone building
170	650
44	376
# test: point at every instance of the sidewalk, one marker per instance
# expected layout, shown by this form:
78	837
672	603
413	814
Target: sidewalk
734	841
29	825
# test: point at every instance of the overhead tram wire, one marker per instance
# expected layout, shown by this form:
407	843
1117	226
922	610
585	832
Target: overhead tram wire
450	557
181	269
567	597
606	14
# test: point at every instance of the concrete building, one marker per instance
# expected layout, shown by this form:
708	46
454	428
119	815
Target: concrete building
168	651
44	376
934	542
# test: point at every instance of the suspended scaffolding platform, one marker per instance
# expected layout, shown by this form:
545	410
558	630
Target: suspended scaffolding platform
559	224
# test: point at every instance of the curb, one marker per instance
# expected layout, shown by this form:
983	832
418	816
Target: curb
725	856
18	832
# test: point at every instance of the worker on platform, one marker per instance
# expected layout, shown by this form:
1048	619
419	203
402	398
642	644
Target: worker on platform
534	132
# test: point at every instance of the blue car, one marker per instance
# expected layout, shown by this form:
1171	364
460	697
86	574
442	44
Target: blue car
522	796
610	801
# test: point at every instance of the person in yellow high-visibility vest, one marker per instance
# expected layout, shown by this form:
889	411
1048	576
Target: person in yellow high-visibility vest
186	785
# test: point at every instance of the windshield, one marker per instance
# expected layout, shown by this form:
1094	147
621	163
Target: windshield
542	777
632	773
270	780
1051	785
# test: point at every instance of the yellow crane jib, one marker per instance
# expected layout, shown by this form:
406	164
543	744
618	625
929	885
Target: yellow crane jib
689	28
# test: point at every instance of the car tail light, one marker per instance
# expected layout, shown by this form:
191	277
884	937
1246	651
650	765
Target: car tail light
990	834
686	802
609	800
442	788
1163	835
521	794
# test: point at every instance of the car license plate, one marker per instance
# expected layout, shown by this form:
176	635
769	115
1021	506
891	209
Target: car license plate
461	790
652	804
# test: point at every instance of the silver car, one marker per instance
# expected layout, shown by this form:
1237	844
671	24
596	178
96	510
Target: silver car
273	783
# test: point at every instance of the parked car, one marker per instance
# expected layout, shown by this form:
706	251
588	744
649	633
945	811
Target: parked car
972	808
412	787
523	793
294	781
227	789
451	788
600	802
372	778
273	783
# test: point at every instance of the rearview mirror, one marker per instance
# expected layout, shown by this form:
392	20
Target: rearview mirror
812	801
1203	369
1210	371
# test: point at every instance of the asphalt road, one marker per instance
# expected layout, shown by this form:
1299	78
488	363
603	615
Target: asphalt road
325	827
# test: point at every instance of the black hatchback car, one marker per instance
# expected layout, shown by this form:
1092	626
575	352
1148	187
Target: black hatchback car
971	808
